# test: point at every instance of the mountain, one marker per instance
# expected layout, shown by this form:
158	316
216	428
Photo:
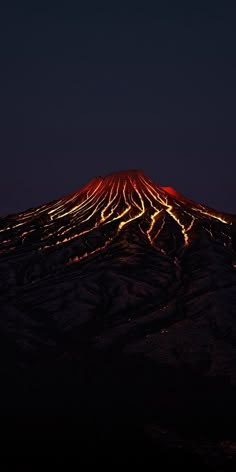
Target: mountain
118	309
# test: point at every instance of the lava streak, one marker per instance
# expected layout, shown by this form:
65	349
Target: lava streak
120	199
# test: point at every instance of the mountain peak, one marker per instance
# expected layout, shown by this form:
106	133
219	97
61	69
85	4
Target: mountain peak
129	177
112	203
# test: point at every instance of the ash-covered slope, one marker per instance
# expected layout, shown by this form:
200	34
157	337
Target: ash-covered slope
123	276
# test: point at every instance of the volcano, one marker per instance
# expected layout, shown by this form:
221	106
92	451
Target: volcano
109	205
118	309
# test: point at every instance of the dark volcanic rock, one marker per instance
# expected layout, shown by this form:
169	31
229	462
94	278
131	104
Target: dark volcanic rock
118	307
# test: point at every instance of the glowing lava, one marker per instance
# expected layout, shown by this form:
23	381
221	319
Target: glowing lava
119	199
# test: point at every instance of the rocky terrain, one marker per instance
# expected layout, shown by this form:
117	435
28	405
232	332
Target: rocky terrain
118	325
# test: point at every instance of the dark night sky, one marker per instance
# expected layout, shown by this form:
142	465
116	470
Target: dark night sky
88	90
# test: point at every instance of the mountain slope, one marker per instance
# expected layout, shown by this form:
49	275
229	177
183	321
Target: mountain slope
122	284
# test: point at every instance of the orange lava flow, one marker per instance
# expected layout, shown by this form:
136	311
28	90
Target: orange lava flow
120	198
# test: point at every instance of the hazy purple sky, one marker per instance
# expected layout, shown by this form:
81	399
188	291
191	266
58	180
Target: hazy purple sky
87	90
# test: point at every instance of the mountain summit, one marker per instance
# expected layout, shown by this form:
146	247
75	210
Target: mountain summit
111	204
